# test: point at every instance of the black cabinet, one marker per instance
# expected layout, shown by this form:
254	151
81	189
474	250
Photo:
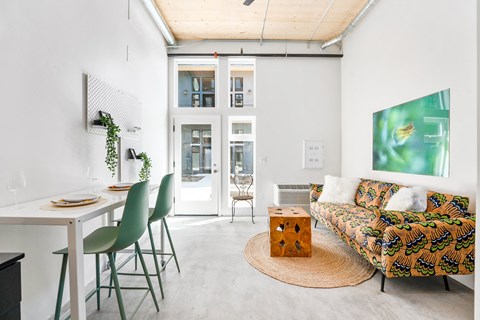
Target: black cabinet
10	286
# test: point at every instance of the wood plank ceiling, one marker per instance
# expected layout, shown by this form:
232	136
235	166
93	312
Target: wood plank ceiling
317	20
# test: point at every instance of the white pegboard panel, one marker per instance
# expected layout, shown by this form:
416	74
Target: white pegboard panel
129	168
124	108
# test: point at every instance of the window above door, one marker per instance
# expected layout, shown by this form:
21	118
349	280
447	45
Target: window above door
242	82
195	83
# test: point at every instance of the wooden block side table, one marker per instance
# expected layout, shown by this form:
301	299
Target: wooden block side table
290	232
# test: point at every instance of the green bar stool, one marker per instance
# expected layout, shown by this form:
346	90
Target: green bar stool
111	239
159	213
162	208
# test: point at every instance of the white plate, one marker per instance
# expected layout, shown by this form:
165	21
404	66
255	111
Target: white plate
63	203
79	197
123	185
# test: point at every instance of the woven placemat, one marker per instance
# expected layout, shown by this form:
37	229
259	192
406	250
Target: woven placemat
51	207
333	264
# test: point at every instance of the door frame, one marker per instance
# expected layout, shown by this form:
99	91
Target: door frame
215	121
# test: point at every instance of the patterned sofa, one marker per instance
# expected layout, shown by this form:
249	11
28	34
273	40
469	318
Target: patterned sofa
438	242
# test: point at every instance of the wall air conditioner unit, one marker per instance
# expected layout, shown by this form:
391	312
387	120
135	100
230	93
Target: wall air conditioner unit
291	195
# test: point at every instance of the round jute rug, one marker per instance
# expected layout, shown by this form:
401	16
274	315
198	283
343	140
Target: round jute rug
333	264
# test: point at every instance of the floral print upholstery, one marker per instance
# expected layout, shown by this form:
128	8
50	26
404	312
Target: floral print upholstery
315	191
370	193
405	244
455	206
390	192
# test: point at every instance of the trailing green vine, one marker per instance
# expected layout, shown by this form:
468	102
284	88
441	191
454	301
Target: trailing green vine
144	173
113	130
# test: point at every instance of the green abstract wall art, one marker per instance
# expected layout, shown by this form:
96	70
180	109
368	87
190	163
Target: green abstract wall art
413	137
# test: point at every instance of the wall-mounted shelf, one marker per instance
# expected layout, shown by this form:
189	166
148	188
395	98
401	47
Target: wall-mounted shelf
103	99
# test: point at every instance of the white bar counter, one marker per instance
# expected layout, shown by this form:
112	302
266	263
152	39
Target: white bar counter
30	213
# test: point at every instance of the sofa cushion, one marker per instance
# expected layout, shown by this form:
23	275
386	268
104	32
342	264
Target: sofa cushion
454	206
334	211
385	218
349	219
371	235
370	193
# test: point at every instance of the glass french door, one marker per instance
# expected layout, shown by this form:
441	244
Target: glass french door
197	164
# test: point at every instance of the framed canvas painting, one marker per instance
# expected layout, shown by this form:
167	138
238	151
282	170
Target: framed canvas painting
413	137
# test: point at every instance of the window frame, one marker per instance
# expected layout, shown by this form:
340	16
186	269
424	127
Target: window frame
231	83
207	62
243	137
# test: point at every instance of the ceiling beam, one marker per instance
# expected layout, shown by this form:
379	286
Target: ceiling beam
261	55
279	48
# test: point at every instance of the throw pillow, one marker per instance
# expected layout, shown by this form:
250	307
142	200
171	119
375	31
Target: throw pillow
419	199
339	190
401	201
408	199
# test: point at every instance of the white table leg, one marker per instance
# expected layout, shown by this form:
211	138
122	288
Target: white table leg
76	270
110	218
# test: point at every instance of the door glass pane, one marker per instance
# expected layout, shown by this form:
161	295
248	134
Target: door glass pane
196	86
241	154
241	157
196	163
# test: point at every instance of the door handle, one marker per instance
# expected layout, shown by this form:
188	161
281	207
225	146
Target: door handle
215	171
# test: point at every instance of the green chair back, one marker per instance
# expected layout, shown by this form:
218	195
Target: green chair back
164	199
135	216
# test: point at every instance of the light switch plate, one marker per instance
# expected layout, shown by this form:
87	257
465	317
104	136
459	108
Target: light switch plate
313	151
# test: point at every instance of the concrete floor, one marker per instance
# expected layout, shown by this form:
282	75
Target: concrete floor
216	282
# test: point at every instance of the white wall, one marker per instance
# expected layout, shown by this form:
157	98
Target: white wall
404	50
46	47
296	99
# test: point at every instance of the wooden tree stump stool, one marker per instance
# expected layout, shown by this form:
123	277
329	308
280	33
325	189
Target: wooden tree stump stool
290	232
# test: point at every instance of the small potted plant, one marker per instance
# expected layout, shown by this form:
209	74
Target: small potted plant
144	173
113	130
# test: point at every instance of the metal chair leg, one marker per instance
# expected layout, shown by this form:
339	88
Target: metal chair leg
147	276
97	279
233	210
445	280
61	285
111	279
171	243
251	205
155	259
117	286
383	283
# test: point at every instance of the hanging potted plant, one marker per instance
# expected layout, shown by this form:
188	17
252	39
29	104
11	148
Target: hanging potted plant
144	173
113	130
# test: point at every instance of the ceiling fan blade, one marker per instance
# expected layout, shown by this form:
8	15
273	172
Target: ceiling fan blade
248	2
